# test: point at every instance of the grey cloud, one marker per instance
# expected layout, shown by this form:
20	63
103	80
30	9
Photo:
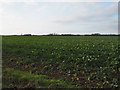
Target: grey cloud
99	15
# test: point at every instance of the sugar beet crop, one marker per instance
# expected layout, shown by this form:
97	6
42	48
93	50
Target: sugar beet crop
81	61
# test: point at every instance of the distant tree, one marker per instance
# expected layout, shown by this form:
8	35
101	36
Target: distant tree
27	35
96	34
53	34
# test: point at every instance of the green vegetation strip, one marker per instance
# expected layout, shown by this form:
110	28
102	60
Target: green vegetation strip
17	79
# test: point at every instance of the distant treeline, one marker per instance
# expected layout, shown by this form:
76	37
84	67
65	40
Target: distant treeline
95	34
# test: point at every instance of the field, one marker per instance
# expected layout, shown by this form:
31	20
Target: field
60	61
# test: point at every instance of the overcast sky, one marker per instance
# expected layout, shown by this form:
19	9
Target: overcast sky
34	17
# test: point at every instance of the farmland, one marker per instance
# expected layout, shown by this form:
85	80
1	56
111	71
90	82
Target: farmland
60	61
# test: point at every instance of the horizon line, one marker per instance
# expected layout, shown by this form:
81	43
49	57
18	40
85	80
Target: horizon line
60	34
